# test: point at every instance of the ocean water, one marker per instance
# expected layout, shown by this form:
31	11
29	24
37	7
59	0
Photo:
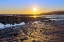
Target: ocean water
53	16
57	17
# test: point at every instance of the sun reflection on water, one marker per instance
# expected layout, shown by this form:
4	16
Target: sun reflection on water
35	16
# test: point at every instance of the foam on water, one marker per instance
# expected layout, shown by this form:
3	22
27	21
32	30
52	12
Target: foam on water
9	25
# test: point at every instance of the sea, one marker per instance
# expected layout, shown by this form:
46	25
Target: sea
53	17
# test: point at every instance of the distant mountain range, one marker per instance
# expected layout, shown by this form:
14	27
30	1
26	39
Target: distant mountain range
54	13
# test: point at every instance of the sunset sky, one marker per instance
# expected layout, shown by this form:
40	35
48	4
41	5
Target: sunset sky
27	6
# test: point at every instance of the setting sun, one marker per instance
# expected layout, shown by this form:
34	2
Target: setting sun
34	9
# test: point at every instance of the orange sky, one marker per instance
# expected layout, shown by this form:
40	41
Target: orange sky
26	6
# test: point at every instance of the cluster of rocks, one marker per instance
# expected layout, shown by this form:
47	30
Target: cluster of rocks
33	32
16	19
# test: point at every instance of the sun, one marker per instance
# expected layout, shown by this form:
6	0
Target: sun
34	9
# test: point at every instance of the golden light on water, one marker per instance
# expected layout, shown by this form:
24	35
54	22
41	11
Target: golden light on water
34	16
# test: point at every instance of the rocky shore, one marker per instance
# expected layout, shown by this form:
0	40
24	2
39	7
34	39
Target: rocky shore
36	31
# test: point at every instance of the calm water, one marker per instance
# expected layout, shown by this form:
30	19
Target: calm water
53	16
